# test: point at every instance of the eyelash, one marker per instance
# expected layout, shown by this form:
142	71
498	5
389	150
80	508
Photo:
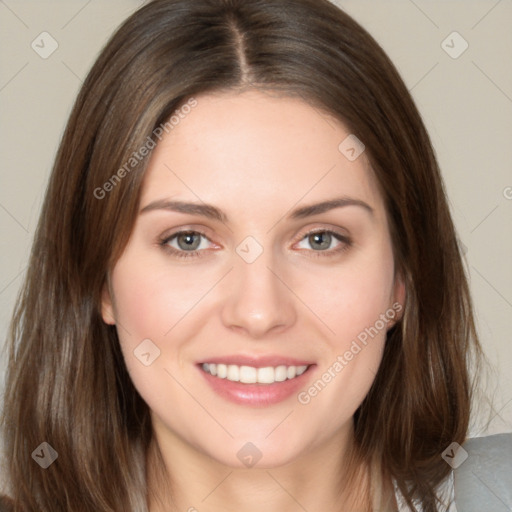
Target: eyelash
182	254
345	240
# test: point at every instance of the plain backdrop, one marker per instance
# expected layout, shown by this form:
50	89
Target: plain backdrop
464	95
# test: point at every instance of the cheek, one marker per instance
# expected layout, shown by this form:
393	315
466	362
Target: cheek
355	304
353	296
161	303
148	304
151	298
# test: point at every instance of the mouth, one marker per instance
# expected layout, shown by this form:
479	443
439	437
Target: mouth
256	382
253	375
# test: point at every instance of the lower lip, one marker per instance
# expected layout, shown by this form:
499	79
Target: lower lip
256	394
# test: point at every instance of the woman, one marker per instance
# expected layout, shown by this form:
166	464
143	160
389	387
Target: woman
245	290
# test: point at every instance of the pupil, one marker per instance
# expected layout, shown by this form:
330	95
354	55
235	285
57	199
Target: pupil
188	241
320	240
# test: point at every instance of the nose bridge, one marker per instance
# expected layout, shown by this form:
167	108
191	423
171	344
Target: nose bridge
258	301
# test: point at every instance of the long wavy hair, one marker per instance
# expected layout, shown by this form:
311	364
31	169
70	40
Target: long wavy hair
67	383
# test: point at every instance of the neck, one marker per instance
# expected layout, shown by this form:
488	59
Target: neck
331	477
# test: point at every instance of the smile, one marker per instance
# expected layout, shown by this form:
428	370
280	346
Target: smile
252	375
256	382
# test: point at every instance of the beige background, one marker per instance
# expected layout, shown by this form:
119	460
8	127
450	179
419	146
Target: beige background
466	103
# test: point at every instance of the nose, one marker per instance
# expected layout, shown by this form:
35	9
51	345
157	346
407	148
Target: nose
258	300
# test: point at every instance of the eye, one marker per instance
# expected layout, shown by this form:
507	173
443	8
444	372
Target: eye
186	243
324	241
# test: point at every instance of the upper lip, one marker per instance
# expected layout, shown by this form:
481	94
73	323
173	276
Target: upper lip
257	361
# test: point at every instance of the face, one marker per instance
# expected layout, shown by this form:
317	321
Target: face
254	295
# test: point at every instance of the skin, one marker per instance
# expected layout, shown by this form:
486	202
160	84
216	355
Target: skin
256	157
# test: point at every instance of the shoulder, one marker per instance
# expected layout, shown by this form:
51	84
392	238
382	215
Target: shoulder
483	481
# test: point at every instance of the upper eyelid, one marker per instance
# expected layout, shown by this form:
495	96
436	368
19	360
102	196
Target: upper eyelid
181	231
344	239
337	232
184	232
323	230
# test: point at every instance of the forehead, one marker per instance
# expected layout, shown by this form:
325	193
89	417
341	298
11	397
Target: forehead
252	149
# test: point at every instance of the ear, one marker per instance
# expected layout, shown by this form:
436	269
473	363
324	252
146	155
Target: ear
399	295
107	309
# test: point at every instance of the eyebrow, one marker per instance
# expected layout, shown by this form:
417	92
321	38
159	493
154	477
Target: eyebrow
206	210
325	206
212	212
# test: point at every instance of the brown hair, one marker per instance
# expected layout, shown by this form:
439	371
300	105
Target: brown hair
67	383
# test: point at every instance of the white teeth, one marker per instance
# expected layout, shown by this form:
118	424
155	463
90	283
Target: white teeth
248	374
233	373
266	375
301	370
251	375
222	371
280	373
